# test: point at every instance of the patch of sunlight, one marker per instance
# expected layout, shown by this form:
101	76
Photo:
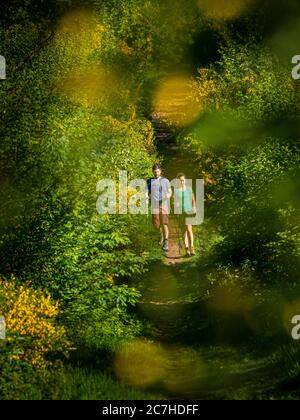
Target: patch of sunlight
231	300
224	9
78	34
176	101
89	84
185	370
140	363
80	75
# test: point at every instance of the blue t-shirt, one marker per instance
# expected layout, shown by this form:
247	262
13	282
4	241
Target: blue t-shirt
158	189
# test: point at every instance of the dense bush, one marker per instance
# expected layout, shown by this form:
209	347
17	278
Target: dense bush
261	209
252	83
31	321
99	317
21	381
251	179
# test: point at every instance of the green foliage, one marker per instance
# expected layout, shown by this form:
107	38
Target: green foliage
252	84
251	178
73	111
82	384
22	381
287	357
261	208
151	36
54	150
99	317
53	154
147	40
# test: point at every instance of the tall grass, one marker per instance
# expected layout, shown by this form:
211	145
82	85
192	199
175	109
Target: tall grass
85	384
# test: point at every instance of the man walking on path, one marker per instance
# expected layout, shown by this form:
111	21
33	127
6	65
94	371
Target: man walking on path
160	192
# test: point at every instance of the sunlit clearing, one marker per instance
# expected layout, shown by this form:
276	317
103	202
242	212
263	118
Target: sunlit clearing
79	34
89	85
140	363
265	318
223	9
185	370
176	101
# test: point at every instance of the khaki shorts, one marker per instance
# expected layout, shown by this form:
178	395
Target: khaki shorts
161	218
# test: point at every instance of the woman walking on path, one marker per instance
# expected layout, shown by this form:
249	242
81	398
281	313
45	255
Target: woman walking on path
185	205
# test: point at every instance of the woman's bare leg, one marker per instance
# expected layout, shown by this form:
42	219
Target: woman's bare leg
190	236
186	240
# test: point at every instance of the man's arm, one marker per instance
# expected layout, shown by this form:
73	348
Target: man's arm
148	190
169	190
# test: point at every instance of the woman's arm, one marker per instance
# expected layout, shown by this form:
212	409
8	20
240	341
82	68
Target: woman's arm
194	202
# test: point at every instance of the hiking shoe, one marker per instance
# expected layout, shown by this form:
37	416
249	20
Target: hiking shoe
193	253
187	252
166	245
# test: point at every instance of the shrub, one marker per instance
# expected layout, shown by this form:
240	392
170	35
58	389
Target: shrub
99	317
31	319
260	212
251	82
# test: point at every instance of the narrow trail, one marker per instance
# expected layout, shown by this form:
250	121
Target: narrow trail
210	355
175	161
175	254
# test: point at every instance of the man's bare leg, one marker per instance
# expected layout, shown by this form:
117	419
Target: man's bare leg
166	237
162	236
166	232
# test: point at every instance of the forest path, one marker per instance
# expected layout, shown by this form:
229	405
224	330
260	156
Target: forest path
175	253
175	160
210	355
